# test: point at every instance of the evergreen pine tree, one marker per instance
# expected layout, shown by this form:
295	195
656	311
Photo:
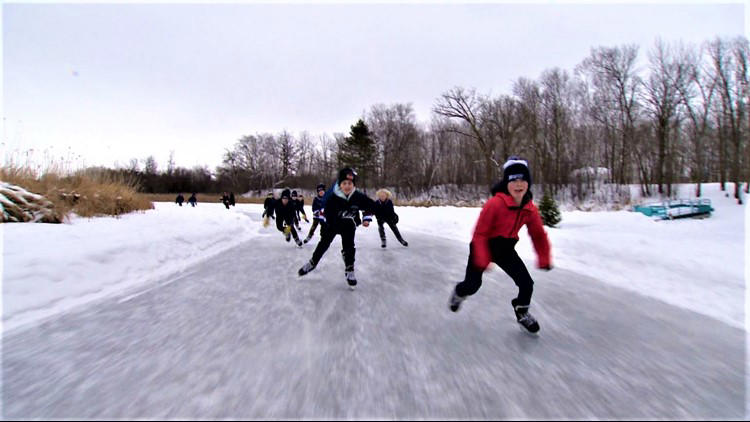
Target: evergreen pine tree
549	211
358	151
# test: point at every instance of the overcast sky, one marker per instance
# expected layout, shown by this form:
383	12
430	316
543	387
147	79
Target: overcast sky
119	81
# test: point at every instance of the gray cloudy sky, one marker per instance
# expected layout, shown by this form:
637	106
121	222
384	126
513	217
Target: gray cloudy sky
117	81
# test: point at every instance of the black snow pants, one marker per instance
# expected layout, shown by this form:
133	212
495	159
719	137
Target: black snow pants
280	226
505	256
347	242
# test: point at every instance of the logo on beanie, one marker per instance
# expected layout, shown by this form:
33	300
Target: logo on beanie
516	168
347	174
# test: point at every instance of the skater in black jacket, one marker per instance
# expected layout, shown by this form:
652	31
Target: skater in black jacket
386	215
268	206
341	215
317	208
225	200
300	207
284	209
193	200
180	199
231	199
293	200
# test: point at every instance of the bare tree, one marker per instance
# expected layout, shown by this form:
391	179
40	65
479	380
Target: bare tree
661	93
556	122
615	79
170	163
741	52
134	165
504	119
150	167
328	152
696	96
728	74
529	94
465	106
398	142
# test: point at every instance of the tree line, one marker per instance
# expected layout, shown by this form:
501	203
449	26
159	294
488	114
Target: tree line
681	115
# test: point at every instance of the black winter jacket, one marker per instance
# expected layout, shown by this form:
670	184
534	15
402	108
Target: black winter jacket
340	210
268	206
300	205
384	212
284	213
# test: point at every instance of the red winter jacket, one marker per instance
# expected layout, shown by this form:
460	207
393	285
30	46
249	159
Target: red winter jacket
501	217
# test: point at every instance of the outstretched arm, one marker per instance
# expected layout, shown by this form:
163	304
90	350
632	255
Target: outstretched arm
540	240
482	232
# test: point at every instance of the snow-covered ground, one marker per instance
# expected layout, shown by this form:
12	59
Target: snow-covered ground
694	264
49	268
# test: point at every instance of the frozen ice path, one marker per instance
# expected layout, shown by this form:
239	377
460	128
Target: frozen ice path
241	336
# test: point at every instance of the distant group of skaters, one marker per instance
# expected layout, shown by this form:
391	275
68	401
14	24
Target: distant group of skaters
337	211
192	200
226	199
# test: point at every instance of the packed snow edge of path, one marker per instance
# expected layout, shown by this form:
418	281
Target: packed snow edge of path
86	260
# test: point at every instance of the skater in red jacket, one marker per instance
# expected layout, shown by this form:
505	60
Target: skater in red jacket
495	238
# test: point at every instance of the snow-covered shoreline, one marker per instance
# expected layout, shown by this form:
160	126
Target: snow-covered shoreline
694	264
50	268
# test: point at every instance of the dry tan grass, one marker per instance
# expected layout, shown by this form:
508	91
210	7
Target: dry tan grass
87	193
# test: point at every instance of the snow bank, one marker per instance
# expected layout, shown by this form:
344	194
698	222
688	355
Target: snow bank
49	268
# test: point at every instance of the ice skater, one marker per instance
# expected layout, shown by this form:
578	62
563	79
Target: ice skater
284	210
386	215
225	200
300	204
293	200
495	238
317	209
268	207
341	215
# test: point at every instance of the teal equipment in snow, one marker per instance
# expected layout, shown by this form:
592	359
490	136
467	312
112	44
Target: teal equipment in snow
677	208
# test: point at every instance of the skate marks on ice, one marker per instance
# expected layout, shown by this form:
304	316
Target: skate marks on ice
242	336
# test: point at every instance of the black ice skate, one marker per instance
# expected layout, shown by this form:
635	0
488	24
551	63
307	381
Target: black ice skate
382	243
309	266
403	242
524	318
307	239
351	280
455	301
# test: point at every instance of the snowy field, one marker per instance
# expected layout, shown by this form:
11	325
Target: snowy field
48	269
